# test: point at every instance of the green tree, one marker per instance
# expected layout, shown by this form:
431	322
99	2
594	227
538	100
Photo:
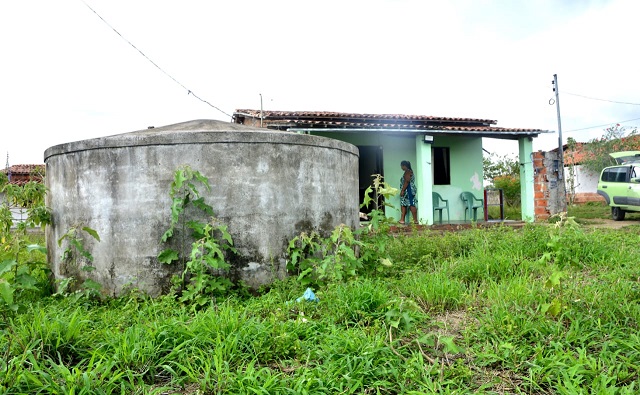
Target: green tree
615	138
570	172
495	165
23	266
503	172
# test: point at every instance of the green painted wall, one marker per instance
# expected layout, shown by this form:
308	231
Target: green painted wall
465	162
395	149
466	172
424	179
466	169
525	151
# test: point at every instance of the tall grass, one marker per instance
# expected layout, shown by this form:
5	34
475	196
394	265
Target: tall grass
540	310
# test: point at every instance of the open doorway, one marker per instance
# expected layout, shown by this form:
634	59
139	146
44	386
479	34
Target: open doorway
370	164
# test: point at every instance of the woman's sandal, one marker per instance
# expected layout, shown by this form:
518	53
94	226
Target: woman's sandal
401	222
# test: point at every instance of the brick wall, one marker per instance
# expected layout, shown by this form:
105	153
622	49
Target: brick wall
585	197
540	187
549	195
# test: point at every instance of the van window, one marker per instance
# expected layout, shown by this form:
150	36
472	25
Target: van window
620	174
615	174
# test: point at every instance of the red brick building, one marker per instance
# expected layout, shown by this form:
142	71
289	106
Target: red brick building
21	174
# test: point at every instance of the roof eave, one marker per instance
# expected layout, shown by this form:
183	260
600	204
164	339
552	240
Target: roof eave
476	133
268	115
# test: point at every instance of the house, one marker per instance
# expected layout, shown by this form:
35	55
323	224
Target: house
580	182
20	175
446	153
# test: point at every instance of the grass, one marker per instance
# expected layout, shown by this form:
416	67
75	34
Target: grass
539	310
591	211
509	212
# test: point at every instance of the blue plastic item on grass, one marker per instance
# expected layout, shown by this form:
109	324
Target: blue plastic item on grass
308	296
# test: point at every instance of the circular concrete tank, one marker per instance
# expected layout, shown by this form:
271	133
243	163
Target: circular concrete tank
266	186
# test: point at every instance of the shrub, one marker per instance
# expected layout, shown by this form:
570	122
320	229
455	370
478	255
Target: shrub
510	186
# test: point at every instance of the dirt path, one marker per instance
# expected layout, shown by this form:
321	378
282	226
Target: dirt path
609	223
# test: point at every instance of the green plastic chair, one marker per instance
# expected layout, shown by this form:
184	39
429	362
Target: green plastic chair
440	204
471	203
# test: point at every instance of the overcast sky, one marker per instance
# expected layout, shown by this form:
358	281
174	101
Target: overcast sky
66	76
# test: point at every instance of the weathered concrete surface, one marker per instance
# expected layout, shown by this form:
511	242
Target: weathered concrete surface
549	188
266	186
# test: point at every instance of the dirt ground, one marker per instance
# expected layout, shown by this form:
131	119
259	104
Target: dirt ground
609	223
593	223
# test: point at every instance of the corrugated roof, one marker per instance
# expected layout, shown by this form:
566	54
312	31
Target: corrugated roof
319	120
318	115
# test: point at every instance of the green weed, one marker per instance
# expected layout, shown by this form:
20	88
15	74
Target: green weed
203	270
458	313
23	268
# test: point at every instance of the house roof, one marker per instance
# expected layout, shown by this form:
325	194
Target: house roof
25	169
572	156
344	122
578	155
21	174
329	116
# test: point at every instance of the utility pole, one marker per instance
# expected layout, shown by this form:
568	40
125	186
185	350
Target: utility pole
560	149
260	109
557	188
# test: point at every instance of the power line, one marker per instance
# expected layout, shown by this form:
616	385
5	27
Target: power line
595	98
189	91
600	126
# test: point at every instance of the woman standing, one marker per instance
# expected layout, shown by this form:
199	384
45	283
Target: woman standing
408	192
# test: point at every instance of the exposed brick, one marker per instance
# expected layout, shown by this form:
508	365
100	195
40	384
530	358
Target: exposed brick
541	211
585	197
541	203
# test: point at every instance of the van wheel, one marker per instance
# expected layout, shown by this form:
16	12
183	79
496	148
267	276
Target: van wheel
617	213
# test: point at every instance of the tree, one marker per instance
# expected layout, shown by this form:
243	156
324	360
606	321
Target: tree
503	172
616	138
570	162
495	166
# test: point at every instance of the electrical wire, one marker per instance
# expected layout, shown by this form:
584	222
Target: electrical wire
189	91
600	126
595	98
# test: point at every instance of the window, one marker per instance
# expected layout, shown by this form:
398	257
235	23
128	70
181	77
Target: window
615	174
441	166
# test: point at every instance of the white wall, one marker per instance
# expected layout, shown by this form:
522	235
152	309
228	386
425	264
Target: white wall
18	214
585	180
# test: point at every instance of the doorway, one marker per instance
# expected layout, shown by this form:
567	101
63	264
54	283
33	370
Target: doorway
370	163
